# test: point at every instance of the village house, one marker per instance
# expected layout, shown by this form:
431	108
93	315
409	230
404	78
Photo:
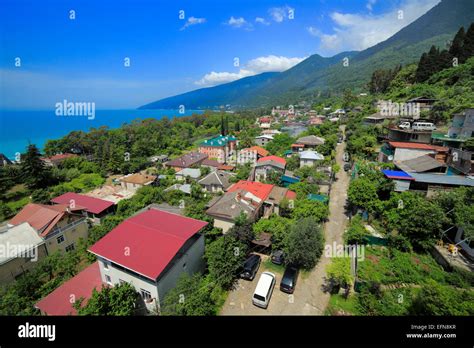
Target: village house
211	164
185	188
428	183
409	135
22	249
263	140
251	154
254	199
268	164
424	103
218	181
56	160
270	132
151	250
283	112
402	151
191	173
310	158
422	164
61	226
462	125
96	209
133	182
58	302
188	160
461	161
4	160
308	142
219	148
158	159
265	122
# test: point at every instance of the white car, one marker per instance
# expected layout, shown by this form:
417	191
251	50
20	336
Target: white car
264	290
404	125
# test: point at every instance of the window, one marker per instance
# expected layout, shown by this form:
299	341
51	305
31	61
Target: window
106	266
146	295
70	247
60	239
108	279
121	281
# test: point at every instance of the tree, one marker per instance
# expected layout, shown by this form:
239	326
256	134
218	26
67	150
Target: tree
305	243
35	175
339	273
307	208
279	144
224	257
456	49
468	46
279	227
436	299
356	233
119	300
192	296
242	230
363	193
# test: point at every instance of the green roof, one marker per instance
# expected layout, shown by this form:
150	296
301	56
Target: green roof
218	141
319	198
444	137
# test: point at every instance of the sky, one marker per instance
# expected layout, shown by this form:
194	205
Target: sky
126	53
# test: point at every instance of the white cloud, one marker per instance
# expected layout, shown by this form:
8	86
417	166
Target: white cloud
261	21
354	31
193	21
370	4
279	14
239	22
253	67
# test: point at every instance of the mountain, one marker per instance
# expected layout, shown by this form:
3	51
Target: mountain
316	73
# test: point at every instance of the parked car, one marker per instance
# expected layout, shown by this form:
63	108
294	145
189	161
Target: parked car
251	266
423	126
347	167
278	257
263	291
288	282
404	125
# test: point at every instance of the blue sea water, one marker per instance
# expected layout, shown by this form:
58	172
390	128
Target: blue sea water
19	128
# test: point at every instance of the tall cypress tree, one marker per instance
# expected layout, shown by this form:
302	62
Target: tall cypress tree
33	170
468	47
457	45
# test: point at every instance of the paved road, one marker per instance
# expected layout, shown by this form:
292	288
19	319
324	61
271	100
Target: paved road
309	297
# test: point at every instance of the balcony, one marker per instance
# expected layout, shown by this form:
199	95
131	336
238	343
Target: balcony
58	230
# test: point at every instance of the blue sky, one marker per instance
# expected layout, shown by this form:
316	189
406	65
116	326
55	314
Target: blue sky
82	59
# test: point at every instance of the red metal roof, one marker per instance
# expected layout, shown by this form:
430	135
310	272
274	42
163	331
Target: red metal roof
256	188
290	194
273	158
417	146
260	150
92	205
41	217
147	242
58	302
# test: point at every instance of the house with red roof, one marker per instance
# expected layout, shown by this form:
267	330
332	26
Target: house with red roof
268	164
265	122
254	199
61	225
56	160
404	151
82	285
251	155
150	251
95	208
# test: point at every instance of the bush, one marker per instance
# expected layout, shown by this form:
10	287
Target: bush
305	243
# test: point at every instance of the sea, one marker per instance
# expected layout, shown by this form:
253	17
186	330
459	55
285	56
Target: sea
20	128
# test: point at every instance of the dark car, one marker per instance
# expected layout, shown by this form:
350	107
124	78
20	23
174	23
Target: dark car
347	167
278	257
288	281
250	267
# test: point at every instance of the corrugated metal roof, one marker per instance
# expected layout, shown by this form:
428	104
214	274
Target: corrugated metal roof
456	180
419	164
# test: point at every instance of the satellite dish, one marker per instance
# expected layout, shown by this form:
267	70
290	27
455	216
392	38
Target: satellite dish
390	158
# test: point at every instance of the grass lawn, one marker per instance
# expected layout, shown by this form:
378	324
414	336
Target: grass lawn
338	303
17	205
270	266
